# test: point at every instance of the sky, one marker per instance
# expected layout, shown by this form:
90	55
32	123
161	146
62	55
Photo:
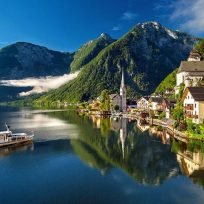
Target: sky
65	25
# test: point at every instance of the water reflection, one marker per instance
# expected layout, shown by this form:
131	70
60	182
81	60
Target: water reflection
190	156
146	154
18	148
142	151
46	126
191	159
104	143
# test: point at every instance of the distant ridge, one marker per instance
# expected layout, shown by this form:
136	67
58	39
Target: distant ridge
148	53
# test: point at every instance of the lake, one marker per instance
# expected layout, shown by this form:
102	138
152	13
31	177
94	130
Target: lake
80	159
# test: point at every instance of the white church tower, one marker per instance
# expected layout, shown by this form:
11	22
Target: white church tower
123	93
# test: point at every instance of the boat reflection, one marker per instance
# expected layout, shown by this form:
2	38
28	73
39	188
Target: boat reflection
20	148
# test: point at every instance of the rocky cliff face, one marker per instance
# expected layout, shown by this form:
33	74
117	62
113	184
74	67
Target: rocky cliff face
147	53
21	60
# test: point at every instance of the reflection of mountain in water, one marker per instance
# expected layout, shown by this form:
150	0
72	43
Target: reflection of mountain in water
106	142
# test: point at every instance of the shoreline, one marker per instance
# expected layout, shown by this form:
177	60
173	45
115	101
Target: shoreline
151	121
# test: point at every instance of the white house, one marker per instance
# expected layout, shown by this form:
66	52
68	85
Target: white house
156	103
143	103
190	72
193	102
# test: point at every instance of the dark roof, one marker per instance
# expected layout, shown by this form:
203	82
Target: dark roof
157	99
191	66
197	93
146	98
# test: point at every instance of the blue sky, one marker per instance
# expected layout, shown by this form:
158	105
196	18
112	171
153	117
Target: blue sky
67	24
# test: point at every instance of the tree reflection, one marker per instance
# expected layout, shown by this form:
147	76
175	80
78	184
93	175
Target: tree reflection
113	142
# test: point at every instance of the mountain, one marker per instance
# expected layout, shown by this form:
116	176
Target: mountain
22	60
147	53
89	51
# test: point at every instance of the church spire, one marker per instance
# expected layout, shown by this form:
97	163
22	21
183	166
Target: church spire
123	93
122	80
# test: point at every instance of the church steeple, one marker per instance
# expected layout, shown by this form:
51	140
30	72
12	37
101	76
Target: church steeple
194	55
122	80
123	93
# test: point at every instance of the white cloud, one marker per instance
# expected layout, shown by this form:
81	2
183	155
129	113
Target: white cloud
128	16
40	85
116	28
190	14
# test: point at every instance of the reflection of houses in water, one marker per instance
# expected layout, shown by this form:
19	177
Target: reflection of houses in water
191	163
163	134
142	125
118	125
97	120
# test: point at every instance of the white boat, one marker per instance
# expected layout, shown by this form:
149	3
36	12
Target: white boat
8	138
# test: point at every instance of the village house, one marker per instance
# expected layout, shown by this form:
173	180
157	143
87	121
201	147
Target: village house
193	102
167	106
190	72
155	104
143	103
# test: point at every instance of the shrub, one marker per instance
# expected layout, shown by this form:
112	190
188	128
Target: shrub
183	126
159	128
162	115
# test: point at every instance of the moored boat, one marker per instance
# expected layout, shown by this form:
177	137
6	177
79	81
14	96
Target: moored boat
8	138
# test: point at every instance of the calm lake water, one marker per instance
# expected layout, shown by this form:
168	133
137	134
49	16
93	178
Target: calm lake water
77	159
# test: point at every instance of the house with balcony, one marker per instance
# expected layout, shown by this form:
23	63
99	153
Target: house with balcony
190	72
193	102
143	103
155	104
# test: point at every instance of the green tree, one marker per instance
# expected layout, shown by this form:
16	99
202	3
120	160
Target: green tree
104	100
200	47
162	115
181	90
178	113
